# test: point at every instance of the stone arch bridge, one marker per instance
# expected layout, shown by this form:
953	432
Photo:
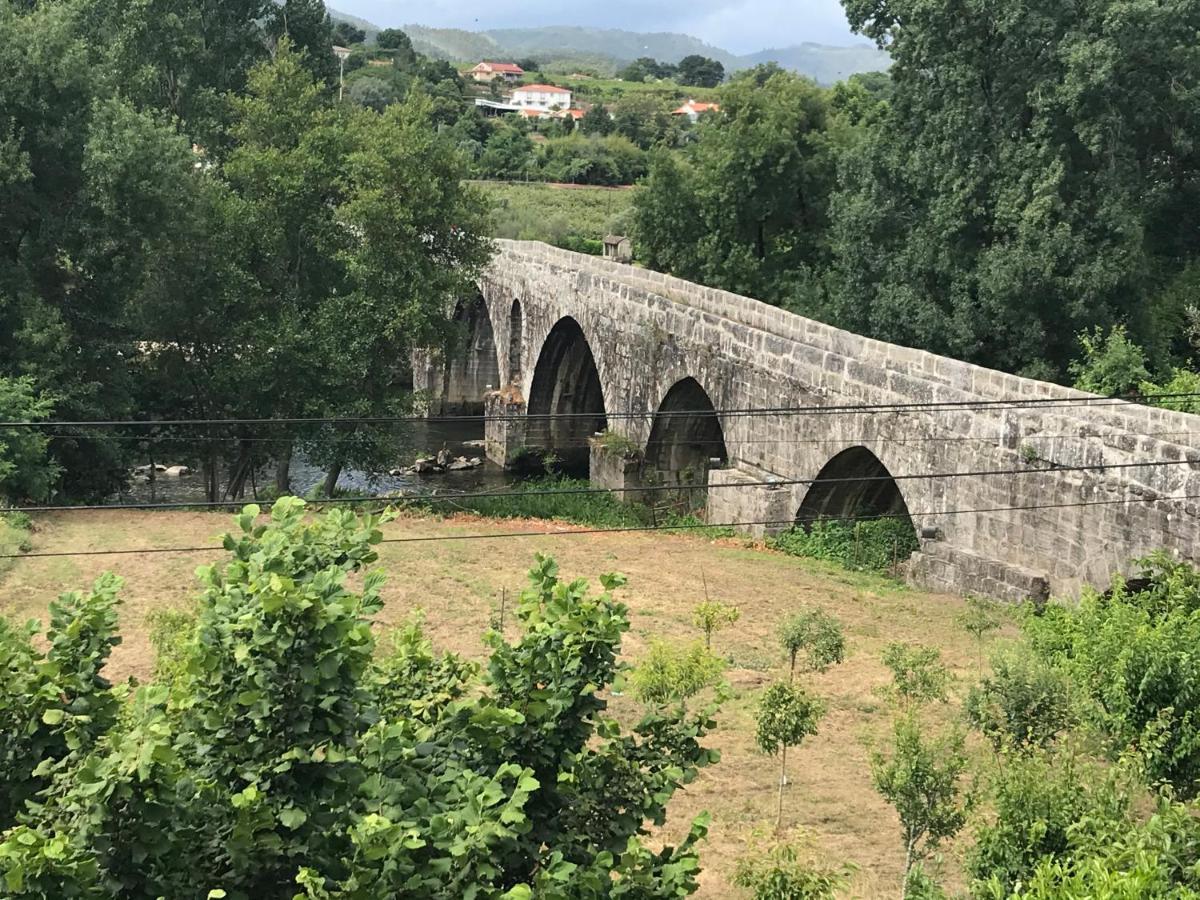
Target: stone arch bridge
561	347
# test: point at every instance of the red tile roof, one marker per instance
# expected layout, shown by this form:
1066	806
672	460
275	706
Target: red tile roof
510	68
693	107
543	89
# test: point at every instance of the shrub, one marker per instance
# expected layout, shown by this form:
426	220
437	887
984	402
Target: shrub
918	675
1025	703
713	615
1037	800
26	470
1131	652
868	546
290	756
673	674
782	874
814	637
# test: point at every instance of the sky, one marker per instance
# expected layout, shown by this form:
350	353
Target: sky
741	26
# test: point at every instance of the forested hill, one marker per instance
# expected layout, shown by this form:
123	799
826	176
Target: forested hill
608	48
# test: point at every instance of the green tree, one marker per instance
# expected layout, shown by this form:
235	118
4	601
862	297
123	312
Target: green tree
920	778
336	199
814	638
596	120
1111	364
309	31
27	471
508	154
748	211
397	41
918	674
1027	181
980	618
786	716
713	615
700	71
348	35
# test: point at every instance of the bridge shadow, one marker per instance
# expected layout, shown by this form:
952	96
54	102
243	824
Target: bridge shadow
566	401
686	440
472	363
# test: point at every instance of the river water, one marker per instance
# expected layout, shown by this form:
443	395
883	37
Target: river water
421	439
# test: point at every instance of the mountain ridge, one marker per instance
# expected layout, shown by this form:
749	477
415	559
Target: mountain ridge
823	62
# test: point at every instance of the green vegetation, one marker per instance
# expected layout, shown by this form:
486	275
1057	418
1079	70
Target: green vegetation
949	213
870	545
671	674
781	874
786	716
569	500
283	753
814	640
713	615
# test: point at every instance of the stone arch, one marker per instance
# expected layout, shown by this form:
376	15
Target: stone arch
566	400
838	494
473	364
685	437
516	341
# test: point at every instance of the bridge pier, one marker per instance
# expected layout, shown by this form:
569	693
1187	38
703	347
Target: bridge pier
739	496
505	426
617	472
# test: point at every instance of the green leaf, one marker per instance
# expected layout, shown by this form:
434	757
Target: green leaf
53	716
292	817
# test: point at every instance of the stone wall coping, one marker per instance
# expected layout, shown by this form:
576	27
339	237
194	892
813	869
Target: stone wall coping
962	378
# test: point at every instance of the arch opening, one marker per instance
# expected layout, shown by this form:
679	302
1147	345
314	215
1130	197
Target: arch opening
686	441
516	342
856	491
566	401
472	364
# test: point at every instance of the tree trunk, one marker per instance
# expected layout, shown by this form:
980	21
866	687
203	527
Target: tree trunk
331	479
782	782
283	472
908	861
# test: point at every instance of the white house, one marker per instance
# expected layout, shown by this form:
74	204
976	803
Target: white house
541	97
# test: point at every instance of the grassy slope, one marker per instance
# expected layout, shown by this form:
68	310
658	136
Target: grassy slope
541	212
459	585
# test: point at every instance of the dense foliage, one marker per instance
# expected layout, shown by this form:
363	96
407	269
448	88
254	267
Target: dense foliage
1026	174
868	545
1131	651
282	757
194	227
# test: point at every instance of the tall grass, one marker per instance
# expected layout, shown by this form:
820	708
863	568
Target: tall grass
545	498
871	545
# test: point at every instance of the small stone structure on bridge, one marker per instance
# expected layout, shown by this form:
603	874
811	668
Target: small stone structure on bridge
562	347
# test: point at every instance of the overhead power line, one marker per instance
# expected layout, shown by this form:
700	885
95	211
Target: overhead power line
151	551
645	489
831	409
697	441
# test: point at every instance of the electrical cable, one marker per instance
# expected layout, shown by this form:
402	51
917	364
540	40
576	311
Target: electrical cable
652	488
630	529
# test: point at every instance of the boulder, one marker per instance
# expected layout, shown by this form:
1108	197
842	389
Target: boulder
176	471
443	458
475	445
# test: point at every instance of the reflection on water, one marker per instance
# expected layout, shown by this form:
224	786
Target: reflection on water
420	439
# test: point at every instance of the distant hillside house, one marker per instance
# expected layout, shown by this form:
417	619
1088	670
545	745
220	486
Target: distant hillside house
693	110
541	96
497	71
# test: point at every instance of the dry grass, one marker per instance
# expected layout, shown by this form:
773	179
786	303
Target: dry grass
459	583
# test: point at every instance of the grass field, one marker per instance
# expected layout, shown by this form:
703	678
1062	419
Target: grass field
830	803
553	213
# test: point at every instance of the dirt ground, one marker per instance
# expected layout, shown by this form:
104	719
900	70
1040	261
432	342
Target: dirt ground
830	804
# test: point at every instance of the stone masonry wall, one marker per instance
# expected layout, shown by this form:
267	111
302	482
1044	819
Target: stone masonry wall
648	331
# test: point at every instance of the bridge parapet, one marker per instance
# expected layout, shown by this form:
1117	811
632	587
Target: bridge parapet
619	348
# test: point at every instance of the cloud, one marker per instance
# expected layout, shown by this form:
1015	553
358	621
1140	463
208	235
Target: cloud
742	26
